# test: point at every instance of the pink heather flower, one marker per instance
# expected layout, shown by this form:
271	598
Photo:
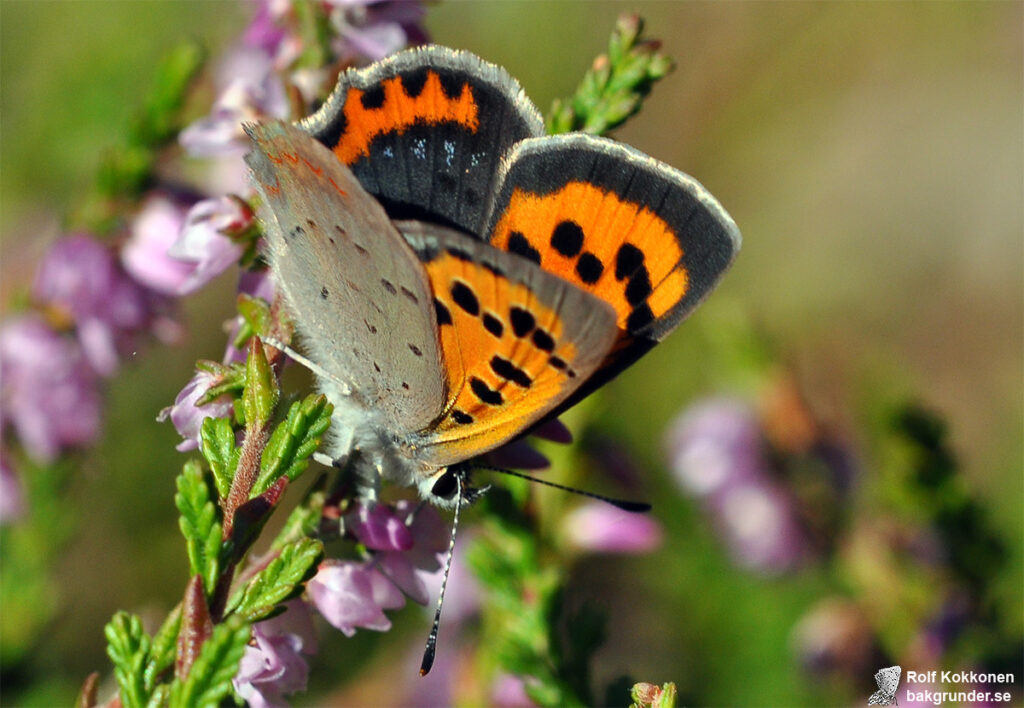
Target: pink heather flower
80	277
713	441
462	596
48	392
276	665
265	32
202	243
373	29
716	450
520	454
351	595
602	528
186	417
250	90
154	230
508	691
379	528
759	525
412	569
12	499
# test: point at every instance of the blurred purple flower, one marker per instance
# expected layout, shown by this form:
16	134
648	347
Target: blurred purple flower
203	243
12	498
602	528
711	442
412	569
759	525
351	595
48	392
379	528
835	638
508	691
275	666
265	31
154	230
186	417
716	451
250	90
80	277
520	454
373	29
463	594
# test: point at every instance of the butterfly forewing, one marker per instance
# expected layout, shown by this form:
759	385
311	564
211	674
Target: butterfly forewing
515	341
424	131
359	294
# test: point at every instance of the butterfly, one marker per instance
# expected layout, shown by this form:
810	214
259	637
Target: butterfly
888	681
458	277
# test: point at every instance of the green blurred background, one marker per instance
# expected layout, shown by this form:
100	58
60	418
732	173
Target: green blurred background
872	155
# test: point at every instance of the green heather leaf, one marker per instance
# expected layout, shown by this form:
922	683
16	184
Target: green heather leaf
293	441
161	696
209	680
217	440
256	313
615	86
200	524
164	647
281	580
260	394
159	121
302	522
128	648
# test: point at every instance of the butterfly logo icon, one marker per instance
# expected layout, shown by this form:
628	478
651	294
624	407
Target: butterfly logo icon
888	681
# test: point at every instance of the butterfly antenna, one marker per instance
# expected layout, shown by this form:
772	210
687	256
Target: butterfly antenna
619	503
431	648
320	371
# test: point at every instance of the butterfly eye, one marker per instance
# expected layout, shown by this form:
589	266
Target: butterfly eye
445	485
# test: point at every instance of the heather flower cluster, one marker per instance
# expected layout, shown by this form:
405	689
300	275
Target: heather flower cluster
719	455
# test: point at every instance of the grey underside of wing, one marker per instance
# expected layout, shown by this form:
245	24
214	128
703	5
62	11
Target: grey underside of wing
358	293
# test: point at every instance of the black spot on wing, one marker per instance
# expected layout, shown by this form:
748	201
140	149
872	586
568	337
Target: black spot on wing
627	260
493	325
543	341
461	417
373	98
510	372
639	287
520	245
485	393
589	267
639	318
522	320
567	238
324	293
465	298
444	316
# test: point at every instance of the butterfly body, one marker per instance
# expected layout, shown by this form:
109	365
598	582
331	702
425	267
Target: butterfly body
457	278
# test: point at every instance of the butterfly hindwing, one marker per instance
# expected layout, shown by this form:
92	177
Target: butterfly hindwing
359	294
638	234
515	341
424	131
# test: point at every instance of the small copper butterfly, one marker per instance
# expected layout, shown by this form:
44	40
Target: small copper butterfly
455	275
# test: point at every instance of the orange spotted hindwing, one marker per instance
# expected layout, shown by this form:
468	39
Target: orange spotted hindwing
636	233
424	132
